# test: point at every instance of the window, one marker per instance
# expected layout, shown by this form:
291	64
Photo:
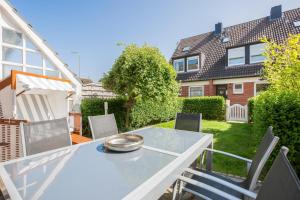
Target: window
297	23
196	91
236	56
11	37
186	48
179	65
34	70
14	46
193	63
238	88
33	58
30	45
256	52
52	73
7	69
260	87
12	55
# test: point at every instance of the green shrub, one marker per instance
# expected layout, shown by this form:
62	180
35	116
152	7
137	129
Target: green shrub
211	107
146	112
95	106
251	108
282	111
151	111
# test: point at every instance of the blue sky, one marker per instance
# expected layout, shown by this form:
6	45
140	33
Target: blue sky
94	27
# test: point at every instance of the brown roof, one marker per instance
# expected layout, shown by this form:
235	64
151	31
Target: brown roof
86	80
241	34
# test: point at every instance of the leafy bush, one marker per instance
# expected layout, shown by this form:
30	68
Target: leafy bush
282	111
95	106
146	112
251	108
142	74
212	107
151	111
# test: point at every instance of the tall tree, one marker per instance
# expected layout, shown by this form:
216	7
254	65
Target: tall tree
141	73
282	64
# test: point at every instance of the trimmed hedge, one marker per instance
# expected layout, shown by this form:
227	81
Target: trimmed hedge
282	111
211	107
251	108
150	112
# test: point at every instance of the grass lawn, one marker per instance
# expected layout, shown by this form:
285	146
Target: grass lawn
236	138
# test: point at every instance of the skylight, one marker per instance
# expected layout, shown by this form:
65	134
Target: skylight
187	48
225	39
297	23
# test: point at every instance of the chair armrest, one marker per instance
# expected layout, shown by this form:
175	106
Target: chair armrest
217	180
229	154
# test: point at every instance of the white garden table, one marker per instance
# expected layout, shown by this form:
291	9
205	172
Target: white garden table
85	171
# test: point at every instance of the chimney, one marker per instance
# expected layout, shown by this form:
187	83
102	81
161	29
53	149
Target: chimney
276	12
218	29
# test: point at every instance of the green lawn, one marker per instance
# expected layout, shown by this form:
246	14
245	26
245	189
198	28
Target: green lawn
236	138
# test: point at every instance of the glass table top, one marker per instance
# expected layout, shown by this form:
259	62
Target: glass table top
88	172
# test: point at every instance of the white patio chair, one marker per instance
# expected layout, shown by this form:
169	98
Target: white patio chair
254	168
103	126
43	136
188	121
280	183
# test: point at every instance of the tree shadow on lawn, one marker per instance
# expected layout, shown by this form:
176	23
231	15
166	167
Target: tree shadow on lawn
236	138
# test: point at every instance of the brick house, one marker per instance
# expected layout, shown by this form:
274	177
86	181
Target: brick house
229	61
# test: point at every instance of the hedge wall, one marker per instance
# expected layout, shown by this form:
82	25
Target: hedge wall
212	107
251	108
95	106
282	111
150	112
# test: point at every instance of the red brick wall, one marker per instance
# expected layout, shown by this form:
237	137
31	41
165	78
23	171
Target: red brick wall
240	98
184	91
210	90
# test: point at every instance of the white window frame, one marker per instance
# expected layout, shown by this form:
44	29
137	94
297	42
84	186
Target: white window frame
179	60
187	63
234	91
198	86
241	63
24	50
250	54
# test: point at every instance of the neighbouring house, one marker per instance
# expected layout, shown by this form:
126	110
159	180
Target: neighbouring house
35	85
91	89
229	61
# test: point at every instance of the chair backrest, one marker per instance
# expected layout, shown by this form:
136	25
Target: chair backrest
45	135
103	126
188	121
263	152
281	181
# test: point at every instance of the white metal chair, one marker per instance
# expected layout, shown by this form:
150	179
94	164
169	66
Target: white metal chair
103	126
280	183
43	136
254	169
